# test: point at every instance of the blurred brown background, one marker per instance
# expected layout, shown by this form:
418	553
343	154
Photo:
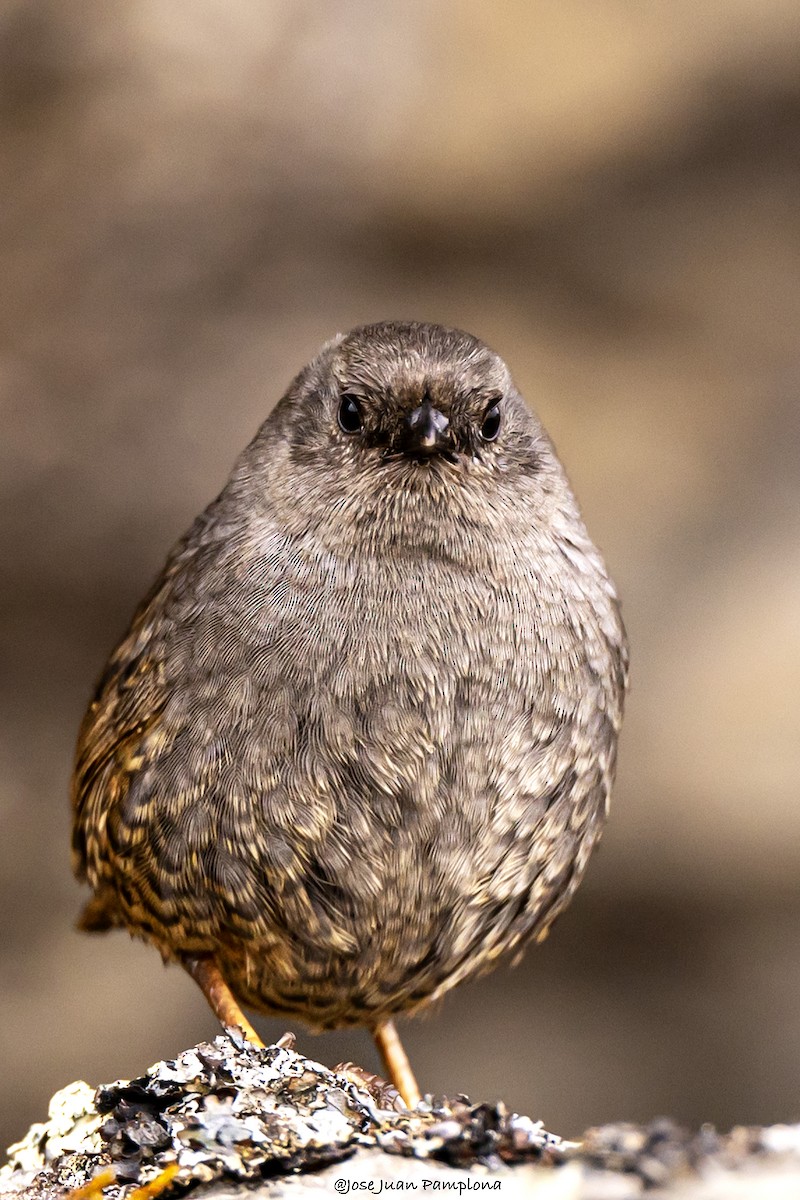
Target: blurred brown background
194	197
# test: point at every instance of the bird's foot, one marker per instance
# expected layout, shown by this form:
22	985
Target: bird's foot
384	1094
287	1041
238	1034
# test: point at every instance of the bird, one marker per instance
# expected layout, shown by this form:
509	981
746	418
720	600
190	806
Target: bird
358	742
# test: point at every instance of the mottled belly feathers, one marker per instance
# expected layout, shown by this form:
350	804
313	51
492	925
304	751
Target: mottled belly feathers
359	739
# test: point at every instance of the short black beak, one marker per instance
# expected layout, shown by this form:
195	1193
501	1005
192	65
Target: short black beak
426	431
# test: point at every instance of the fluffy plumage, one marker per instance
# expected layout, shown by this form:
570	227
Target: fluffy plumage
359	739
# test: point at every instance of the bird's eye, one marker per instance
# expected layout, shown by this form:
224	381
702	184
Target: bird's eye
350	414
491	423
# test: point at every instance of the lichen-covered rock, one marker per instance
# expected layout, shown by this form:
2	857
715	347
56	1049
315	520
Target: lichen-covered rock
229	1116
226	1109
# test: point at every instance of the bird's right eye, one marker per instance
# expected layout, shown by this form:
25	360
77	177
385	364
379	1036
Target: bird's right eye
350	414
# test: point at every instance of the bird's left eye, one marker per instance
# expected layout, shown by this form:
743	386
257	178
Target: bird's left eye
350	414
491	423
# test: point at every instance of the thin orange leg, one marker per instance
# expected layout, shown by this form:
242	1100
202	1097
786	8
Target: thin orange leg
108	1178
205	972
395	1060
95	1186
162	1181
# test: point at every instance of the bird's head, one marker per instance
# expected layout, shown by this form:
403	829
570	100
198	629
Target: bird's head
409	432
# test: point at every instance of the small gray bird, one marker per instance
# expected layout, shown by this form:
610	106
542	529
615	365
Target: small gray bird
359	740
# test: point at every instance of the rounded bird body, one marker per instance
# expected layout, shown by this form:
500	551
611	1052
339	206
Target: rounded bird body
360	737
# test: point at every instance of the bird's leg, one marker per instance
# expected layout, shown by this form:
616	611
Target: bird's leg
205	972
395	1060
